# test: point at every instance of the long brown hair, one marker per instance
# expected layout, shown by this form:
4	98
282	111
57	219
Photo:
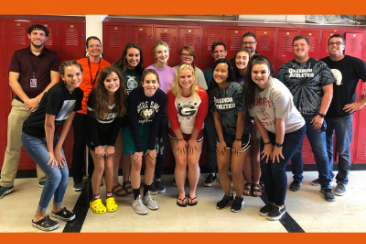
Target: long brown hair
122	61
249	85
100	105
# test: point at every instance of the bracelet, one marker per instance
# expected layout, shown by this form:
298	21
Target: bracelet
236	139
266	140
180	139
266	143
278	145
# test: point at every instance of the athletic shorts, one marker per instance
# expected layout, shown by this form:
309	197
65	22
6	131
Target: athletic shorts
129	143
186	137
246	140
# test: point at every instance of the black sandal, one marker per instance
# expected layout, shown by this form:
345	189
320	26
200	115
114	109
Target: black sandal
257	190
182	200
248	188
192	204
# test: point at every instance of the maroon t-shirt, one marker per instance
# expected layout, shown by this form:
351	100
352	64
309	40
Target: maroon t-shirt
45	62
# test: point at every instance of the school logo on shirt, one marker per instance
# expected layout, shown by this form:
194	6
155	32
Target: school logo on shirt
187	110
131	82
264	113
300	73
147	113
338	75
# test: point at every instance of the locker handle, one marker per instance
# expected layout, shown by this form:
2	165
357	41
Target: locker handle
11	95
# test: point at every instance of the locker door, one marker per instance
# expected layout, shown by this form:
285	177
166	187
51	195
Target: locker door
266	43
52	40
17	36
307	154
211	34
284	46
115	38
169	35
325	36
233	40
191	36
354	47
314	42
71	41
3	93
142	35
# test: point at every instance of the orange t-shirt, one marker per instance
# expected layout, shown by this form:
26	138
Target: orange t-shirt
86	85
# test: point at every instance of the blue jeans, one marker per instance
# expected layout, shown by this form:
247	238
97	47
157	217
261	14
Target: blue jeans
211	138
57	179
274	174
343	131
162	141
317	139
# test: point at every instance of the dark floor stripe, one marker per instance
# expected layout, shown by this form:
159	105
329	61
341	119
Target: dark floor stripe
80	209
287	221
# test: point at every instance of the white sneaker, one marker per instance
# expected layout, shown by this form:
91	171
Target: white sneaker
139	207
150	202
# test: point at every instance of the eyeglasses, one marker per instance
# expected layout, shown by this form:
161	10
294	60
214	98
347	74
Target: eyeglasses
186	55
248	43
337	43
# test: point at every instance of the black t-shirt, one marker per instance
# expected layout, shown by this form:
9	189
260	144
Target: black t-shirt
57	101
347	71
305	81
143	109
101	132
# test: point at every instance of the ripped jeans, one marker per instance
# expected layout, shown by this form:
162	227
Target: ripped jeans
162	141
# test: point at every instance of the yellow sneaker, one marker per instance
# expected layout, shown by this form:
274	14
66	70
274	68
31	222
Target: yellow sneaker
98	207
111	204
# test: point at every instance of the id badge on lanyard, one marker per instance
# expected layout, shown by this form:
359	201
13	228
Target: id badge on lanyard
33	82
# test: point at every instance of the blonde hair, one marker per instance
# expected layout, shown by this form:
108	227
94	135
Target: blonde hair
177	89
158	43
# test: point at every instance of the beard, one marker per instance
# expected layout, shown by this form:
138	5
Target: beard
37	46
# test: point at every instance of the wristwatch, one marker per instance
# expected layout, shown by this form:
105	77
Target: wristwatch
278	145
321	115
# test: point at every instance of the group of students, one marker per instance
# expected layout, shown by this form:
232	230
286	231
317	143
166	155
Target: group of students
124	109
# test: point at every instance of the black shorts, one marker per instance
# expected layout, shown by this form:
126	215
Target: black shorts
246	140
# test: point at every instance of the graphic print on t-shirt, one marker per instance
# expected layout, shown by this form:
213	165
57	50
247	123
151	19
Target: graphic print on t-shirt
186	111
147	110
338	75
65	111
131	83
224	103
261	104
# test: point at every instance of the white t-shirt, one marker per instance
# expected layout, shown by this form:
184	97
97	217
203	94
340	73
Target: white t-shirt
276	101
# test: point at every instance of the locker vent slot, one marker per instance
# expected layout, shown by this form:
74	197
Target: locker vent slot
363	150
286	44
211	39
235	42
115	39
189	40
19	36
71	37
352	47
49	38
167	37
311	44
141	39
264	44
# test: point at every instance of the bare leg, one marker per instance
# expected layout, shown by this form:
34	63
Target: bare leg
223	164
194	171
109	172
97	173
149	169
180	172
237	164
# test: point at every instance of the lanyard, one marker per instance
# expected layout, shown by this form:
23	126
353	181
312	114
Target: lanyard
96	75
34	68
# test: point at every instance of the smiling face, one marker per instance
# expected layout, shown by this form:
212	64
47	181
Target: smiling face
186	57
94	48
301	50
260	74
37	38
335	47
133	58
150	84
162	54
250	43
241	60
112	82
72	77
186	79
219	52
221	73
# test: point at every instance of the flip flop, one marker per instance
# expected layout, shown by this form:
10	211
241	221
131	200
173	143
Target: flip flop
182	200
192	204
